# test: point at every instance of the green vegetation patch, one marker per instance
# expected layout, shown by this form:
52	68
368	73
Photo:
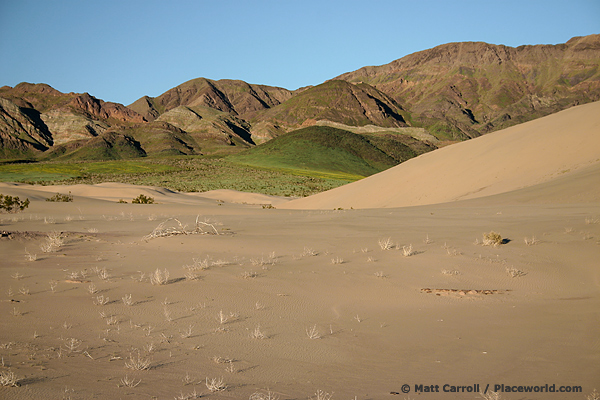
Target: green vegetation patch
319	151
45	172
182	173
12	204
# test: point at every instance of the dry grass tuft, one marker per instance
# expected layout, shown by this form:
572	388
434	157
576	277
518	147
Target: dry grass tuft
308	252
337	260
137	363
408	251
313	333
386	244
492	239
215	384
30	256
268	395
8	378
257	333
159	277
321	395
54	241
129	382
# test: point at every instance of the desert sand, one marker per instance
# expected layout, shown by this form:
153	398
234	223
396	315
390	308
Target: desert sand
400	292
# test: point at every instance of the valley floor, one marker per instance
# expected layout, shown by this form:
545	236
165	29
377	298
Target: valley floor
435	308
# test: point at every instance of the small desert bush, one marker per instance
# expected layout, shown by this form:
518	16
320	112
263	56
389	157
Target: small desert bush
129	382
61	198
386	244
321	395
159	277
54	241
492	239
408	251
137	363
12	204
257	334
8	378
142	199
264	396
215	384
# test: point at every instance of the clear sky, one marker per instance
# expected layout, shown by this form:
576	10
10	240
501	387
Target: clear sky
124	49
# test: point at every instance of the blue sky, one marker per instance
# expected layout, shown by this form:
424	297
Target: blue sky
121	50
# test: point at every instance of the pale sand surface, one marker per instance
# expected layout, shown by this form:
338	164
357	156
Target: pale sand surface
273	269
539	328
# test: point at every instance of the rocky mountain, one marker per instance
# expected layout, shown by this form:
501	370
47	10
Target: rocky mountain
462	90
231	96
38	117
21	132
37	120
452	92
336	101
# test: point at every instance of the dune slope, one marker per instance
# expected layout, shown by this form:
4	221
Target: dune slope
514	158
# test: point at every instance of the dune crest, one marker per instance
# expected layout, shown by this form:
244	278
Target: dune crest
514	158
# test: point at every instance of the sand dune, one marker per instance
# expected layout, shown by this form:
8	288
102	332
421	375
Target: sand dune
234	196
521	156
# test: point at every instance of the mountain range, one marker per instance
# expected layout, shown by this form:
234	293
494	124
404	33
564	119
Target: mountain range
452	92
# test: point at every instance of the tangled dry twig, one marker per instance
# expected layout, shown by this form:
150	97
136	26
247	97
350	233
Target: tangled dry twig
173	227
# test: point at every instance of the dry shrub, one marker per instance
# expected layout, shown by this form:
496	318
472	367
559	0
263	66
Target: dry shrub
8	378
159	277
492	239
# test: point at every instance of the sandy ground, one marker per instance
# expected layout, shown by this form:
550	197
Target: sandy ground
436	308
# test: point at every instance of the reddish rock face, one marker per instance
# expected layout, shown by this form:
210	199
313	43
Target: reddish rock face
104	110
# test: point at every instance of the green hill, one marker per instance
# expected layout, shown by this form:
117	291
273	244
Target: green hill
327	151
107	146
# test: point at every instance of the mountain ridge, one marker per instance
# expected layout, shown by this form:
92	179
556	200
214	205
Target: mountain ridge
481	87
453	92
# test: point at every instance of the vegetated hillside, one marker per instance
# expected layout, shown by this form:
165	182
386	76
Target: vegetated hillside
230	96
322	149
336	101
106	146
462	90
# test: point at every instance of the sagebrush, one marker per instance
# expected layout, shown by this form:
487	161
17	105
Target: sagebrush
142	199
12	204
61	198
